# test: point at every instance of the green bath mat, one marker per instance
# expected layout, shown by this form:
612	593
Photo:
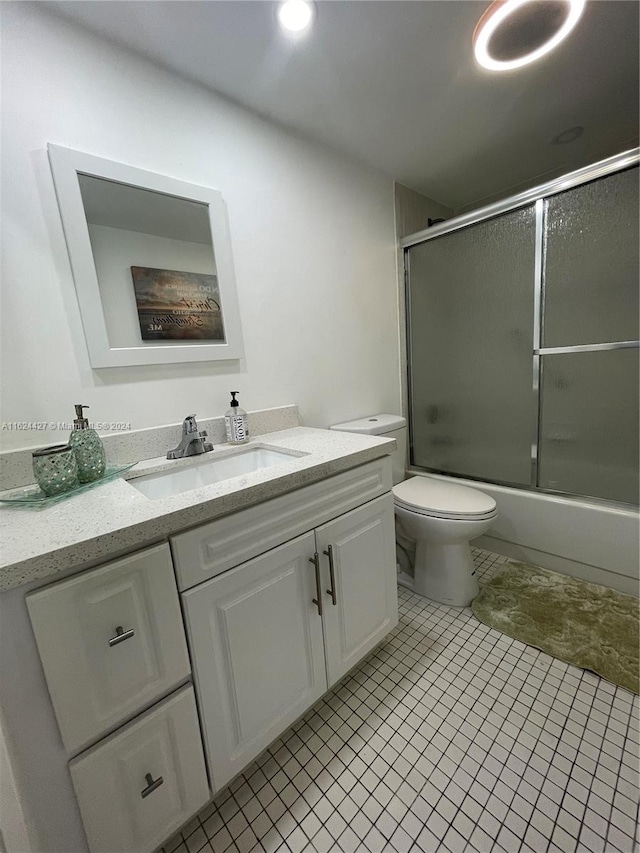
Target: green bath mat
581	623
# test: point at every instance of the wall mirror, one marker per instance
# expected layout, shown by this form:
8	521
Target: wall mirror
151	260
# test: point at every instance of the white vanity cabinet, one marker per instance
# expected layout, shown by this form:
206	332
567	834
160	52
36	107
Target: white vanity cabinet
280	600
269	636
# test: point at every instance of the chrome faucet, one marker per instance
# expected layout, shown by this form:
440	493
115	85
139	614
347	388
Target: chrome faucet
192	442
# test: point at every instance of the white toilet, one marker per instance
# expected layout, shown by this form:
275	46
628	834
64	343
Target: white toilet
439	516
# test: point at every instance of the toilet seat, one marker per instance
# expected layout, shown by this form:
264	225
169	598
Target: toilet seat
437	499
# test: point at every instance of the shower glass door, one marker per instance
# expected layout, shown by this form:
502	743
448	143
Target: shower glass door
470	324
589	407
523	339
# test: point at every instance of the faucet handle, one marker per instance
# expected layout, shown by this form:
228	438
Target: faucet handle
192	442
189	424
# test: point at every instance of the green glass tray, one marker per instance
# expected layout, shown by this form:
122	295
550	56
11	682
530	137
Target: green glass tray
33	496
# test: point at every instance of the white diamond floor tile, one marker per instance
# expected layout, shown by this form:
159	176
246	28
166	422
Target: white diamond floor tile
449	737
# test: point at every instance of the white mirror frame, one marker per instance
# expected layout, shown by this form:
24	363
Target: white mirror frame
66	164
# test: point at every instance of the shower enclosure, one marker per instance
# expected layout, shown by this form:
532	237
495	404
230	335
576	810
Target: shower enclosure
522	338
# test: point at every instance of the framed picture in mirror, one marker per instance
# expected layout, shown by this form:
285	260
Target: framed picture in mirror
151	261
174	305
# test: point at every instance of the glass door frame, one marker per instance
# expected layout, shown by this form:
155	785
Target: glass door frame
535	196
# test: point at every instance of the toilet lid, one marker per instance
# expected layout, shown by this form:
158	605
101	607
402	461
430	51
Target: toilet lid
427	495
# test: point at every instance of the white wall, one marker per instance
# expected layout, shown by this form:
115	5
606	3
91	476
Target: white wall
312	236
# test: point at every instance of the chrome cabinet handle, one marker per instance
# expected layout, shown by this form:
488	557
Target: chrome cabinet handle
121	636
317	601
332	591
151	785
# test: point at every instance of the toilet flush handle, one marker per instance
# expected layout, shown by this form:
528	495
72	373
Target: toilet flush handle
332	591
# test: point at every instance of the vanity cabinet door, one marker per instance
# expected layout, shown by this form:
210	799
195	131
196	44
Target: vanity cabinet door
111	641
257	653
364	606
138	786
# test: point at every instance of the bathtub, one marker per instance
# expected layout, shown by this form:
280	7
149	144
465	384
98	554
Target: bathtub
594	541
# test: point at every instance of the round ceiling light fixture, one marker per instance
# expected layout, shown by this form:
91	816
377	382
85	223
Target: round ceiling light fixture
295	15
513	33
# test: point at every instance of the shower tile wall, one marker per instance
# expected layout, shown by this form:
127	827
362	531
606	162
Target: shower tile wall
448	737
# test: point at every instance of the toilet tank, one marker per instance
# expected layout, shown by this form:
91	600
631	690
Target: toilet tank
386	426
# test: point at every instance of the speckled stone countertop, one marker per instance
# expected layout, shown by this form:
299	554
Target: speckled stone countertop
115	517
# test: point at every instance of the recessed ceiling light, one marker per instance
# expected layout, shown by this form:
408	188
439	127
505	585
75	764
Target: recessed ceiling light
513	33
295	15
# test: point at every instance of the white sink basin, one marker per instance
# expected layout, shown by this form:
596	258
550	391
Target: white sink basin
210	469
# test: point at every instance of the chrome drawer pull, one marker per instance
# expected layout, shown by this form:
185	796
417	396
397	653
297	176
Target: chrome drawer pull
151	785
317	601
332	591
121	635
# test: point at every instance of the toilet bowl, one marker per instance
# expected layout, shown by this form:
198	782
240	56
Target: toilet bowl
439	517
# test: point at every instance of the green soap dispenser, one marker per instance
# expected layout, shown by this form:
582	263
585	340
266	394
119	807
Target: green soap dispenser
87	447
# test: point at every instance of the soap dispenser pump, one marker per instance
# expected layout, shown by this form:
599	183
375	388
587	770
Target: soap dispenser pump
236	422
87	447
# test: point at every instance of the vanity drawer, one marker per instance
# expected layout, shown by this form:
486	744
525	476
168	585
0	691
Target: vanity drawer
138	786
213	548
111	641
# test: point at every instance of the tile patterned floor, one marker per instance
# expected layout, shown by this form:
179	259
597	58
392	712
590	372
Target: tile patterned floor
449	737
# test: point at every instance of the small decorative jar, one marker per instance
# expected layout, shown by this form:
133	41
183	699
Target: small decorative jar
55	468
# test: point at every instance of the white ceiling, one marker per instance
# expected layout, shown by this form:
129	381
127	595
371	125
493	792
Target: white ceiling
393	83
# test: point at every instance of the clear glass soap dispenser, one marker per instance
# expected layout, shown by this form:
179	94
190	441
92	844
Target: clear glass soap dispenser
87	447
236	422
